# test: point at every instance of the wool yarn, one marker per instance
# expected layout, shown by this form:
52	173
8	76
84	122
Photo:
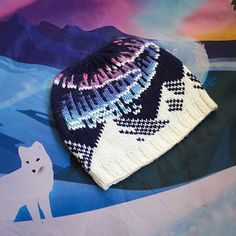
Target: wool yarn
124	106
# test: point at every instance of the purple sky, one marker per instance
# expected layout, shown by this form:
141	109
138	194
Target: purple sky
87	14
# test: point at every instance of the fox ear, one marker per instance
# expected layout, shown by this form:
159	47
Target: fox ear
21	151
37	144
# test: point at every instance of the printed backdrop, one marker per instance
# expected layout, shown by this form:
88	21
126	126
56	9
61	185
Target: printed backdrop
190	190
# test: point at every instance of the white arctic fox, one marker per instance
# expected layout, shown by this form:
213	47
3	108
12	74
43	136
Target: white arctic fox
29	185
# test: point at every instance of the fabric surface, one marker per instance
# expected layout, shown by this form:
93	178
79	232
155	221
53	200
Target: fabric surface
189	190
124	106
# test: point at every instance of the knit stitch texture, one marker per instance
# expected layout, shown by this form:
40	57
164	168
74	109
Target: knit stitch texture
124	106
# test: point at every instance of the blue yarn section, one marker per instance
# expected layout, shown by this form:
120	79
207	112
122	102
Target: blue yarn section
113	99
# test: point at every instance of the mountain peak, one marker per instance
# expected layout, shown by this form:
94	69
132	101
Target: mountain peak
49	44
17	18
107	29
45	23
72	28
110	27
47	28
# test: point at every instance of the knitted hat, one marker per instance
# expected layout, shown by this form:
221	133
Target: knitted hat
126	105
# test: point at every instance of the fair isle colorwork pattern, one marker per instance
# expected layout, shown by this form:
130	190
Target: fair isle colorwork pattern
124	106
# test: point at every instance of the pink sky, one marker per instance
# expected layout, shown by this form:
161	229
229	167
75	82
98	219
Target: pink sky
8	6
87	14
213	16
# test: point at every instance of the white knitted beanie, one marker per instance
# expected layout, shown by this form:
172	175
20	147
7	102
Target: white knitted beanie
124	106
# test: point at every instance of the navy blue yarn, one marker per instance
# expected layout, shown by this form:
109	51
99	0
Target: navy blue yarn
169	69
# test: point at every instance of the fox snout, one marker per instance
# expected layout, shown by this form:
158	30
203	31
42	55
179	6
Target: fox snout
39	170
